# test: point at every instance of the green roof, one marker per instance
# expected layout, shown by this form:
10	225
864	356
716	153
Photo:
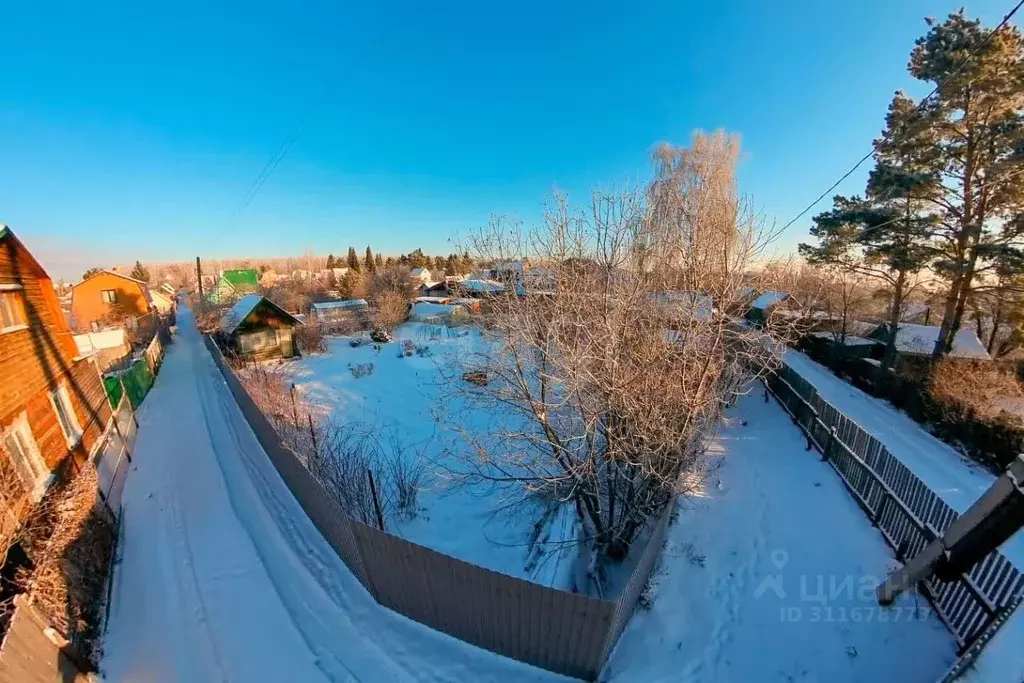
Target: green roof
241	277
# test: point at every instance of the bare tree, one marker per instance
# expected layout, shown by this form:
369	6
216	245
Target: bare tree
390	310
605	392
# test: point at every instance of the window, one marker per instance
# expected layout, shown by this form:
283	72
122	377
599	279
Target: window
21	448
109	296
12	311
66	414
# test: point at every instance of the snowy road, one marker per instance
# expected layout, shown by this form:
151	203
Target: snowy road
224	578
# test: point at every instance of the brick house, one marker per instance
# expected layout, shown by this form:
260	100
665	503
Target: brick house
53	409
111	299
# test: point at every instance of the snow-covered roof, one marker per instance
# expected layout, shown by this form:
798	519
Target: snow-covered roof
485	286
851	340
419	272
920	339
691	305
236	315
769	299
348	303
424	309
94	341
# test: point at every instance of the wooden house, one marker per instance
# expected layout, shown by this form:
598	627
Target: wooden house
53	408
111	299
761	308
256	328
234	284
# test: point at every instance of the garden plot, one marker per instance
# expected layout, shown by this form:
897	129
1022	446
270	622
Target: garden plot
398	399
770	575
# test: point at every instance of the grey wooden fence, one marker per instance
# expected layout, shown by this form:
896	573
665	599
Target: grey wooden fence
113	454
554	629
30	653
906	511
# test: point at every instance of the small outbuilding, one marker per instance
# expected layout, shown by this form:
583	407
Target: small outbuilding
351	313
762	307
919	341
258	329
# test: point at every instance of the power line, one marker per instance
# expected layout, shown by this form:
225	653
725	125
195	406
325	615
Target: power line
272	163
920	106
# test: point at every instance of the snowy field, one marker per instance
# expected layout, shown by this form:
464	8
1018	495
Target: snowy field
222	576
402	397
771	512
770	575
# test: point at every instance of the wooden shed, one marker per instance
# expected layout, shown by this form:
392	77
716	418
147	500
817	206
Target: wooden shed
258	329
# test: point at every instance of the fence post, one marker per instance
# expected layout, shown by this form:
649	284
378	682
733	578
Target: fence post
812	416
295	412
312	432
376	502
881	508
826	452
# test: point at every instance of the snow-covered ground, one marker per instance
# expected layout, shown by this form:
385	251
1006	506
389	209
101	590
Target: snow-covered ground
223	577
404	396
770	575
958	480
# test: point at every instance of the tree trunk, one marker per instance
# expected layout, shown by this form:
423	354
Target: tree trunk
894	322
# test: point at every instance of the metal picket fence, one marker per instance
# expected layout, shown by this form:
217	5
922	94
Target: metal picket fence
906	511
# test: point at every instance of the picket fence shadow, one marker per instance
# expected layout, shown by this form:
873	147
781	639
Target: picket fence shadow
904	509
557	630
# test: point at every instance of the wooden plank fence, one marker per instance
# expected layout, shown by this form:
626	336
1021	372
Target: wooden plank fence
906	511
564	632
113	456
33	653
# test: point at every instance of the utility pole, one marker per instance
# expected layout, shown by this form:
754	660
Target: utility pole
199	279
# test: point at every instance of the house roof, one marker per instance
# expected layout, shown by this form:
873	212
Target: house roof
769	299
920	339
6	232
690	305
115	273
486	286
236	315
94	341
349	303
240	277
419	272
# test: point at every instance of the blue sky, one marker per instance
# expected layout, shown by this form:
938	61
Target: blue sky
133	132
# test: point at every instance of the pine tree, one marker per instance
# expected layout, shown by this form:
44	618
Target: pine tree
330	261
389	262
353	260
378	261
139	272
368	262
885	236
967	143
417	259
449	265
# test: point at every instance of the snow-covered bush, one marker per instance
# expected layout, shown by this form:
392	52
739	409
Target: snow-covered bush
361	369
